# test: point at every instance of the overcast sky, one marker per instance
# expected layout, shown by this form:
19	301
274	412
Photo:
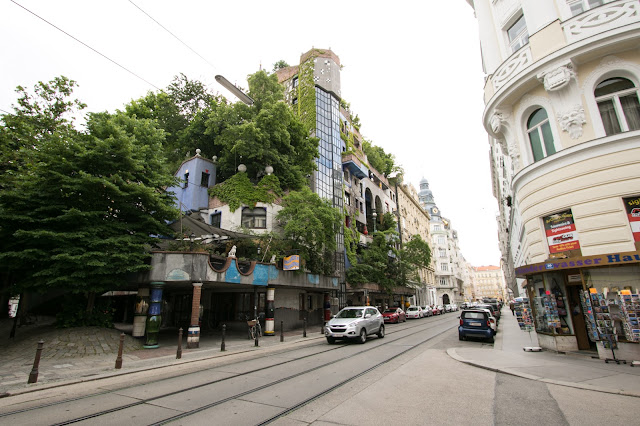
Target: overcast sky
412	72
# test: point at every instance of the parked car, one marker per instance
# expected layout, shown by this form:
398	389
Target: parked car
492	319
427	311
475	323
448	308
394	315
435	310
355	322
491	307
454	307
441	309
414	312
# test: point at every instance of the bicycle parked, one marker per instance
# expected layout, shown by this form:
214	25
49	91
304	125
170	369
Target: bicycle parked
255	329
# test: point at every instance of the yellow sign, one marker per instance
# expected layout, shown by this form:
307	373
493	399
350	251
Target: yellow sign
593	291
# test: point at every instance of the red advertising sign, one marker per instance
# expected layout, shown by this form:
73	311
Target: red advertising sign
633	213
561	232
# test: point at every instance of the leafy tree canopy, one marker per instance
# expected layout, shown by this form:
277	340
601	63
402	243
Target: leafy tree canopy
377	263
79	212
379	159
267	133
311	223
279	65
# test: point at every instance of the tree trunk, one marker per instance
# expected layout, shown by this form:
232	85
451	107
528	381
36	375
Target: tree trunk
91	301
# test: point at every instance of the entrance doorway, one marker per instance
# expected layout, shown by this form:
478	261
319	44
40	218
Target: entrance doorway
445	299
577	317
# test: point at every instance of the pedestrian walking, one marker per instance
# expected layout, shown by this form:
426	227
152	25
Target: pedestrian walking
512	306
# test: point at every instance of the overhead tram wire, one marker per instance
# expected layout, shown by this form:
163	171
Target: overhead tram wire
86	45
173	35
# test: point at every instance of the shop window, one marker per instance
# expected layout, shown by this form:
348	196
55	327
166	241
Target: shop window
550	304
619	105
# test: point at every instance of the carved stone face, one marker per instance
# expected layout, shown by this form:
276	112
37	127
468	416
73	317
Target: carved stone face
496	122
572	122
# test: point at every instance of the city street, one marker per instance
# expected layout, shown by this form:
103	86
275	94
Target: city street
406	376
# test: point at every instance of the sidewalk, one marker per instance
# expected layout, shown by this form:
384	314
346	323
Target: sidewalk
89	353
572	370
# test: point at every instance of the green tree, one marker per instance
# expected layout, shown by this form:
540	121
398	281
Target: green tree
81	211
377	263
311	224
414	255
279	65
267	133
379	159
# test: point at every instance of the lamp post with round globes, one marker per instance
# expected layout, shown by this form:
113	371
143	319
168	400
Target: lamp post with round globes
375	216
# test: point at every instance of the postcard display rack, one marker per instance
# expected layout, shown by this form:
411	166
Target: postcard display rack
600	314
551	311
525	322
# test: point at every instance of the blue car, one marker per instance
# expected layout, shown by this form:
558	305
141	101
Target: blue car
475	323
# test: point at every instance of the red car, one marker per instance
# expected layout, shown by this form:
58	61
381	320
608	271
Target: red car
394	315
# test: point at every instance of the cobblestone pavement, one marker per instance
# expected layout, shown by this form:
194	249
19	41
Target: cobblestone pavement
83	352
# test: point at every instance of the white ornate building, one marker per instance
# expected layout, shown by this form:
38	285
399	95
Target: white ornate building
450	267
562	112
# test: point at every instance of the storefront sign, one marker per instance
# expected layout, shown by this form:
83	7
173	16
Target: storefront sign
561	232
633	213
580	262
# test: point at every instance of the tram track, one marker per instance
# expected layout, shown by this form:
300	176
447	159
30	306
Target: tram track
398	333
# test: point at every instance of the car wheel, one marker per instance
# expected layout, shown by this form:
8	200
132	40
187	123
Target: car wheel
363	336
490	339
460	337
381	332
331	340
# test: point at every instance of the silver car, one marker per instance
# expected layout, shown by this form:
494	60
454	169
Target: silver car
355	322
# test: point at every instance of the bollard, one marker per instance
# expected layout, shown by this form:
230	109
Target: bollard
33	376
255	342
119	357
304	328
282	331
179	352
224	329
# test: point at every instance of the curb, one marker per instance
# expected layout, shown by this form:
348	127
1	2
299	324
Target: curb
453	354
166	361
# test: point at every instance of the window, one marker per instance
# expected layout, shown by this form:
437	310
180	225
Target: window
442	252
444	266
186	179
204	180
441	240
443	281
437	227
216	219
617	100
518	35
254	218
579	6
540	135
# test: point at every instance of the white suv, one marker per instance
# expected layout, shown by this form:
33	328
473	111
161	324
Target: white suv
355	322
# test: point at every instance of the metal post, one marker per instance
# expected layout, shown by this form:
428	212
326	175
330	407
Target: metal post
304	328
255	342
33	376
119	357
282	331
224	330
179	352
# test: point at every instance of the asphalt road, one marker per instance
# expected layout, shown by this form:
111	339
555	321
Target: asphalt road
407	377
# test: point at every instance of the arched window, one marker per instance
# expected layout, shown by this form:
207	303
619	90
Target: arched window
540	135
254	218
618	103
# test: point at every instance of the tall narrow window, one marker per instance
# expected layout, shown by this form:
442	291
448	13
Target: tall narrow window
216	219
619	105
540	135
186	179
518	35
204	180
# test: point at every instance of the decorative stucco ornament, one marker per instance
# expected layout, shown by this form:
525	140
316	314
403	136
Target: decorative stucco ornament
572	121
497	120
557	78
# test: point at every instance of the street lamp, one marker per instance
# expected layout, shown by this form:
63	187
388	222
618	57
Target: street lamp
234	89
375	215
192	238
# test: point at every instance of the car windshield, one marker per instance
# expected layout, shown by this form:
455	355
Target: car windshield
350	313
412	308
390	311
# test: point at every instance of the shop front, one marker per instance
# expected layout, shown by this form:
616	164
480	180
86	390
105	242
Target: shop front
587	303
